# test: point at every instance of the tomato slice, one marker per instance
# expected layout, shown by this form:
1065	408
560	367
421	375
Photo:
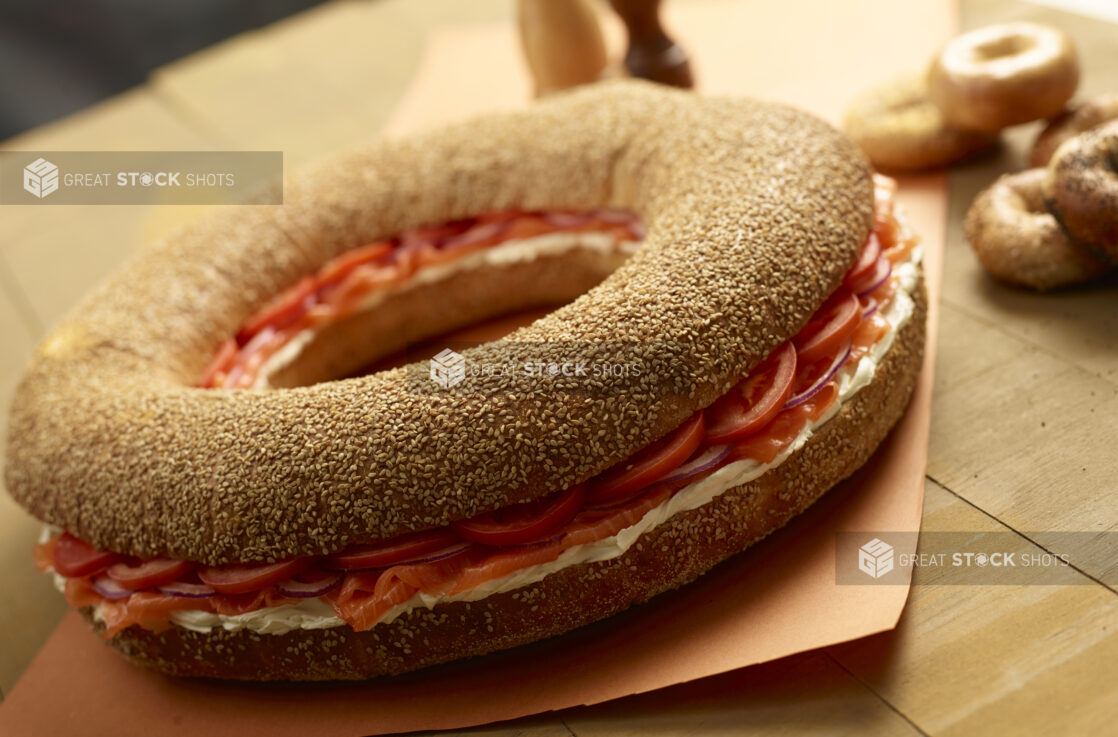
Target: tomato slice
337	269
528	226
649	464
831	326
755	400
522	524
243	579
286	309
149	573
219	364
75	558
399	549
865	264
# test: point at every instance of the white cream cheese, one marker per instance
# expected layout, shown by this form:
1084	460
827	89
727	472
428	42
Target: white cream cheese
316	614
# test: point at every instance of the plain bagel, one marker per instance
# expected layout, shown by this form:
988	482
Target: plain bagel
900	129
1002	75
110	440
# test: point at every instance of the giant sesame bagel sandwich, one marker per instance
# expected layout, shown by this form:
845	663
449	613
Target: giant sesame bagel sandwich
227	494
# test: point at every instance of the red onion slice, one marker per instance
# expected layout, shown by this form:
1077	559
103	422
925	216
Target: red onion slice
706	460
308	589
109	588
829	374
447	552
565	219
617	217
186	590
869	306
880	273
474	235
443	554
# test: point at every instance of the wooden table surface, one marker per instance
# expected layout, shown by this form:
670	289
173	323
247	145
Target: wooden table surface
1024	427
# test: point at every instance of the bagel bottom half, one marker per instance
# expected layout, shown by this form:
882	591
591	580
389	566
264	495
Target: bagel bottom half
670	555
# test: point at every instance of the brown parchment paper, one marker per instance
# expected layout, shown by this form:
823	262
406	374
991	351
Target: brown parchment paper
776	599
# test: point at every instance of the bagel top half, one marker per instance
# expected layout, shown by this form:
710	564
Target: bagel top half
754	212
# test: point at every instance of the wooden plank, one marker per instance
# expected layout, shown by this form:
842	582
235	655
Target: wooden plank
1024	434
807	694
322	81
994	660
56	253
132	121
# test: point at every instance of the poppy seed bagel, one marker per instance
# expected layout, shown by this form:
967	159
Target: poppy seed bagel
754	212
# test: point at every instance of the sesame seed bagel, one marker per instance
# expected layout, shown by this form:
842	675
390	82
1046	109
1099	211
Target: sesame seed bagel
754	212
670	555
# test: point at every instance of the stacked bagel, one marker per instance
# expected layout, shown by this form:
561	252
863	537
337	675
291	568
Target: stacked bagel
1056	225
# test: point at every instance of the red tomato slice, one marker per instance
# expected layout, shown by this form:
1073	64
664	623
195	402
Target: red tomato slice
528	226
522	524
831	326
337	269
286	309
498	216
149	573
649	464
226	352
252	577
755	400
75	558
865	264
399	549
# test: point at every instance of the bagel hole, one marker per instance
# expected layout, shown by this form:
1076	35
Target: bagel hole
1002	47
471	305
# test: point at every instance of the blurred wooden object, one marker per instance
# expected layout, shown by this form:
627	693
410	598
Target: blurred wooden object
652	54
562	42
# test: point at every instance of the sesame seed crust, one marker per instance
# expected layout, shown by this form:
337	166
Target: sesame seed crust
672	554
754	211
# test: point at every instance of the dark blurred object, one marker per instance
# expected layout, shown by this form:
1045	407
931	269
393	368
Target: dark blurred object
562	42
652	54
58	56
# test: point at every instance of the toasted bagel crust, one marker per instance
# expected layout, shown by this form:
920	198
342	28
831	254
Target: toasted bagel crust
668	556
754	211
